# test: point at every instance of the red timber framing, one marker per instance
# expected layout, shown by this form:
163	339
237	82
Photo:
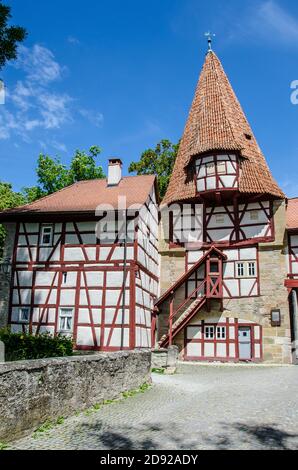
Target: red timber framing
236	224
222	345
233	286
79	274
216	172
292	278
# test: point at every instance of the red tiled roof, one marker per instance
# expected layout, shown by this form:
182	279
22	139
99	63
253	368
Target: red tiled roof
85	196
292	213
217	122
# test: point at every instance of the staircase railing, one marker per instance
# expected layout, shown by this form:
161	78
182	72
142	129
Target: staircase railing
174	313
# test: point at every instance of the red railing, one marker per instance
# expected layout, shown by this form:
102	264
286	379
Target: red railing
174	313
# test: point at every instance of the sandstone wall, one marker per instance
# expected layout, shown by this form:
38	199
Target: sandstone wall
32	392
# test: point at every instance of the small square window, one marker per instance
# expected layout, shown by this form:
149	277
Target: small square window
254	215
209	332
219	218
65	320
47	235
240	270
210	168
220	332
24	314
251	269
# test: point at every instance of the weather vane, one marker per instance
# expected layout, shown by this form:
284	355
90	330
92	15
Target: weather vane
209	36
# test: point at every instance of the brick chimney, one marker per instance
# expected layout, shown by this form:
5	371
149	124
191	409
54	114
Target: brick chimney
114	171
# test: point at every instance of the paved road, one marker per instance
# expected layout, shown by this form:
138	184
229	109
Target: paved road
201	407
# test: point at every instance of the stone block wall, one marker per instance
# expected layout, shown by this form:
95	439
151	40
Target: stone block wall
32	392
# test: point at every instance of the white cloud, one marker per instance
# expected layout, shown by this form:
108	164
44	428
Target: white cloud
92	116
277	21
73	40
32	103
39	64
262	21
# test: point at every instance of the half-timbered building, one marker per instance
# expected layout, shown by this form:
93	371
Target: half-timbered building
223	294
84	262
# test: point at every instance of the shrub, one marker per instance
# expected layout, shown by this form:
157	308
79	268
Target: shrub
20	346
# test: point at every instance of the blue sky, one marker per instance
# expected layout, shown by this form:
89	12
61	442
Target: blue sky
121	75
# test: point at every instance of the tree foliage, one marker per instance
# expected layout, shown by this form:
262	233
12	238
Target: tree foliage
10	36
159	162
8	199
53	175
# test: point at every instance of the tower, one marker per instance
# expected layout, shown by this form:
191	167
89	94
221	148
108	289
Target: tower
218	290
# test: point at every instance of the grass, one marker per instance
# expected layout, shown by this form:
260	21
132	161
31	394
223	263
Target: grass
3	446
158	370
48	425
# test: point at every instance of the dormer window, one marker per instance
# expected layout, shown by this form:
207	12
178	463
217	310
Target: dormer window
218	171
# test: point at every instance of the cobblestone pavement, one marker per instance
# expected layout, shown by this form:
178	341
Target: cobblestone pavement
201	407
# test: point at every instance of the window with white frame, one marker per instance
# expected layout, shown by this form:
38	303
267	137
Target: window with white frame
219	218
47	235
209	332
24	314
240	270
246	269
220	332
254	215
251	269
65	320
210	168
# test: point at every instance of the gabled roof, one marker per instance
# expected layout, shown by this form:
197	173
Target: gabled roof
85	196
216	122
292	214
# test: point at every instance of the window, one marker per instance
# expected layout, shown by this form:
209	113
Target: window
254	215
65	320
246	269
221	168
251	269
24	314
209	332
210	168
219	218
220	332
240	271
47	235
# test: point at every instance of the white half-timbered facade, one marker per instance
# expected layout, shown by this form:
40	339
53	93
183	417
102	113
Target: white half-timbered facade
72	272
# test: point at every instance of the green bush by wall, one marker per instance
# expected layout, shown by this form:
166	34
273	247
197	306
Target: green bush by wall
20	346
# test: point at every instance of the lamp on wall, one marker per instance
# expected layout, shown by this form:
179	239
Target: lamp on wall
275	317
5	267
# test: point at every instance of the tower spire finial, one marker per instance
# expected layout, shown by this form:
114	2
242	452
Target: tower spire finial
209	35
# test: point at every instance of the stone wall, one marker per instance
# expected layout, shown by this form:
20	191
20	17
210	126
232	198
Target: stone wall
32	392
4	279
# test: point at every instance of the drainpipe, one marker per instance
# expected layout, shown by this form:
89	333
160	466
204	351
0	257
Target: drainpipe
124	280
295	324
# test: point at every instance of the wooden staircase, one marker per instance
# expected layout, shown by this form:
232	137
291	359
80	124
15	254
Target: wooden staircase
180	323
209	288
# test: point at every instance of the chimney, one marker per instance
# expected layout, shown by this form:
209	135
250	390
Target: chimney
114	171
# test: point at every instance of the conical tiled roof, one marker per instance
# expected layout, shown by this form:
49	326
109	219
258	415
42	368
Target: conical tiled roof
217	122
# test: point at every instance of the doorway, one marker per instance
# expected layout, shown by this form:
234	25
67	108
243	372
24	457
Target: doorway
244	341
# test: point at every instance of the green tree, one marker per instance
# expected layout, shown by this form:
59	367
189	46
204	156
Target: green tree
53	175
10	36
159	162
8	199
